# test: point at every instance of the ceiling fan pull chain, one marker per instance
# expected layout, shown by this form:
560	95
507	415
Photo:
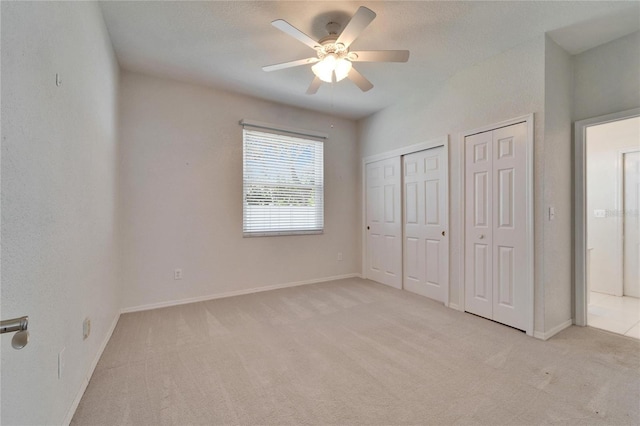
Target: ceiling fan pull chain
332	106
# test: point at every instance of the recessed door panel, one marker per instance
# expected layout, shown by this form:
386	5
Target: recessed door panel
480	199
432	262
389	198
505	198
373	207
389	261
411	203
431	163
410	168
432	204
505	147
481	273
505	276
374	250
389	172
480	151
412	260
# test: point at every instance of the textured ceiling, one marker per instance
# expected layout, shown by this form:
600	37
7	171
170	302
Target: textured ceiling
225	43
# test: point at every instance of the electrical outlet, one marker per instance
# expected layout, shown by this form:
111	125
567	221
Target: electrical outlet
177	274
86	328
60	363
340	256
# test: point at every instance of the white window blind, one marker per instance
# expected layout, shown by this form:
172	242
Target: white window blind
283	184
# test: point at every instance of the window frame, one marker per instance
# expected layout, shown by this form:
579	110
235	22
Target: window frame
282	136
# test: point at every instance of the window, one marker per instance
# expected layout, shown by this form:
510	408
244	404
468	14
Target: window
283	184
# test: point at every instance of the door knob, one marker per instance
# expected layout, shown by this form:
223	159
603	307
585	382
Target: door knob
368	227
19	325
481	236
20	339
443	233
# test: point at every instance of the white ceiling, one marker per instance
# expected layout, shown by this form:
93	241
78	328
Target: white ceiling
225	43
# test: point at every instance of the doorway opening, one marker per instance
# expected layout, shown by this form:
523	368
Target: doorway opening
609	212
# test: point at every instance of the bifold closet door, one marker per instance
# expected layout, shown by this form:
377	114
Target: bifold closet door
384	222
425	251
495	225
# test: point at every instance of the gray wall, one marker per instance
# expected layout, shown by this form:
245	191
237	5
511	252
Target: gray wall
181	185
60	222
607	79
557	233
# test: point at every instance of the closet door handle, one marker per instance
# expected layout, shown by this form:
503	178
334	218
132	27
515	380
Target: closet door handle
481	236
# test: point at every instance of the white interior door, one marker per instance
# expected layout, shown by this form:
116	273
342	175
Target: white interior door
384	222
509	225
631	234
478	287
426	239
495	225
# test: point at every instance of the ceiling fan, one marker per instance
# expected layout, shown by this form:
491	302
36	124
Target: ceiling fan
333	61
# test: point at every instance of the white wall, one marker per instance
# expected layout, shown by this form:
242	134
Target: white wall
182	195
606	78
505	86
557	233
59	211
604	179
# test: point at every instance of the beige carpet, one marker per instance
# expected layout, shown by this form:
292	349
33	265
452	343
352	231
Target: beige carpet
354	352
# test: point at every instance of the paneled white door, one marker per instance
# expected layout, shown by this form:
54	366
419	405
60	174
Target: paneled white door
426	239
631	234
384	222
495	225
478	225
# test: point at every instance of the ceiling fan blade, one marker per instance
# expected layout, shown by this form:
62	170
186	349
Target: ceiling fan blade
380	56
356	25
290	64
286	27
359	80
313	87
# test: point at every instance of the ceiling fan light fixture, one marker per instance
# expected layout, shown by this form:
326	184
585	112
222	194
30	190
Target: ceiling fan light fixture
334	60
342	68
324	68
329	65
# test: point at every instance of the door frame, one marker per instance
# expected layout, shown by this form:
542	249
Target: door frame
528	119
579	202
620	207
442	141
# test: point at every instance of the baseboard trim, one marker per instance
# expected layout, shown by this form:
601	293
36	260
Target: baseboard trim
545	335
455	306
92	367
234	293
